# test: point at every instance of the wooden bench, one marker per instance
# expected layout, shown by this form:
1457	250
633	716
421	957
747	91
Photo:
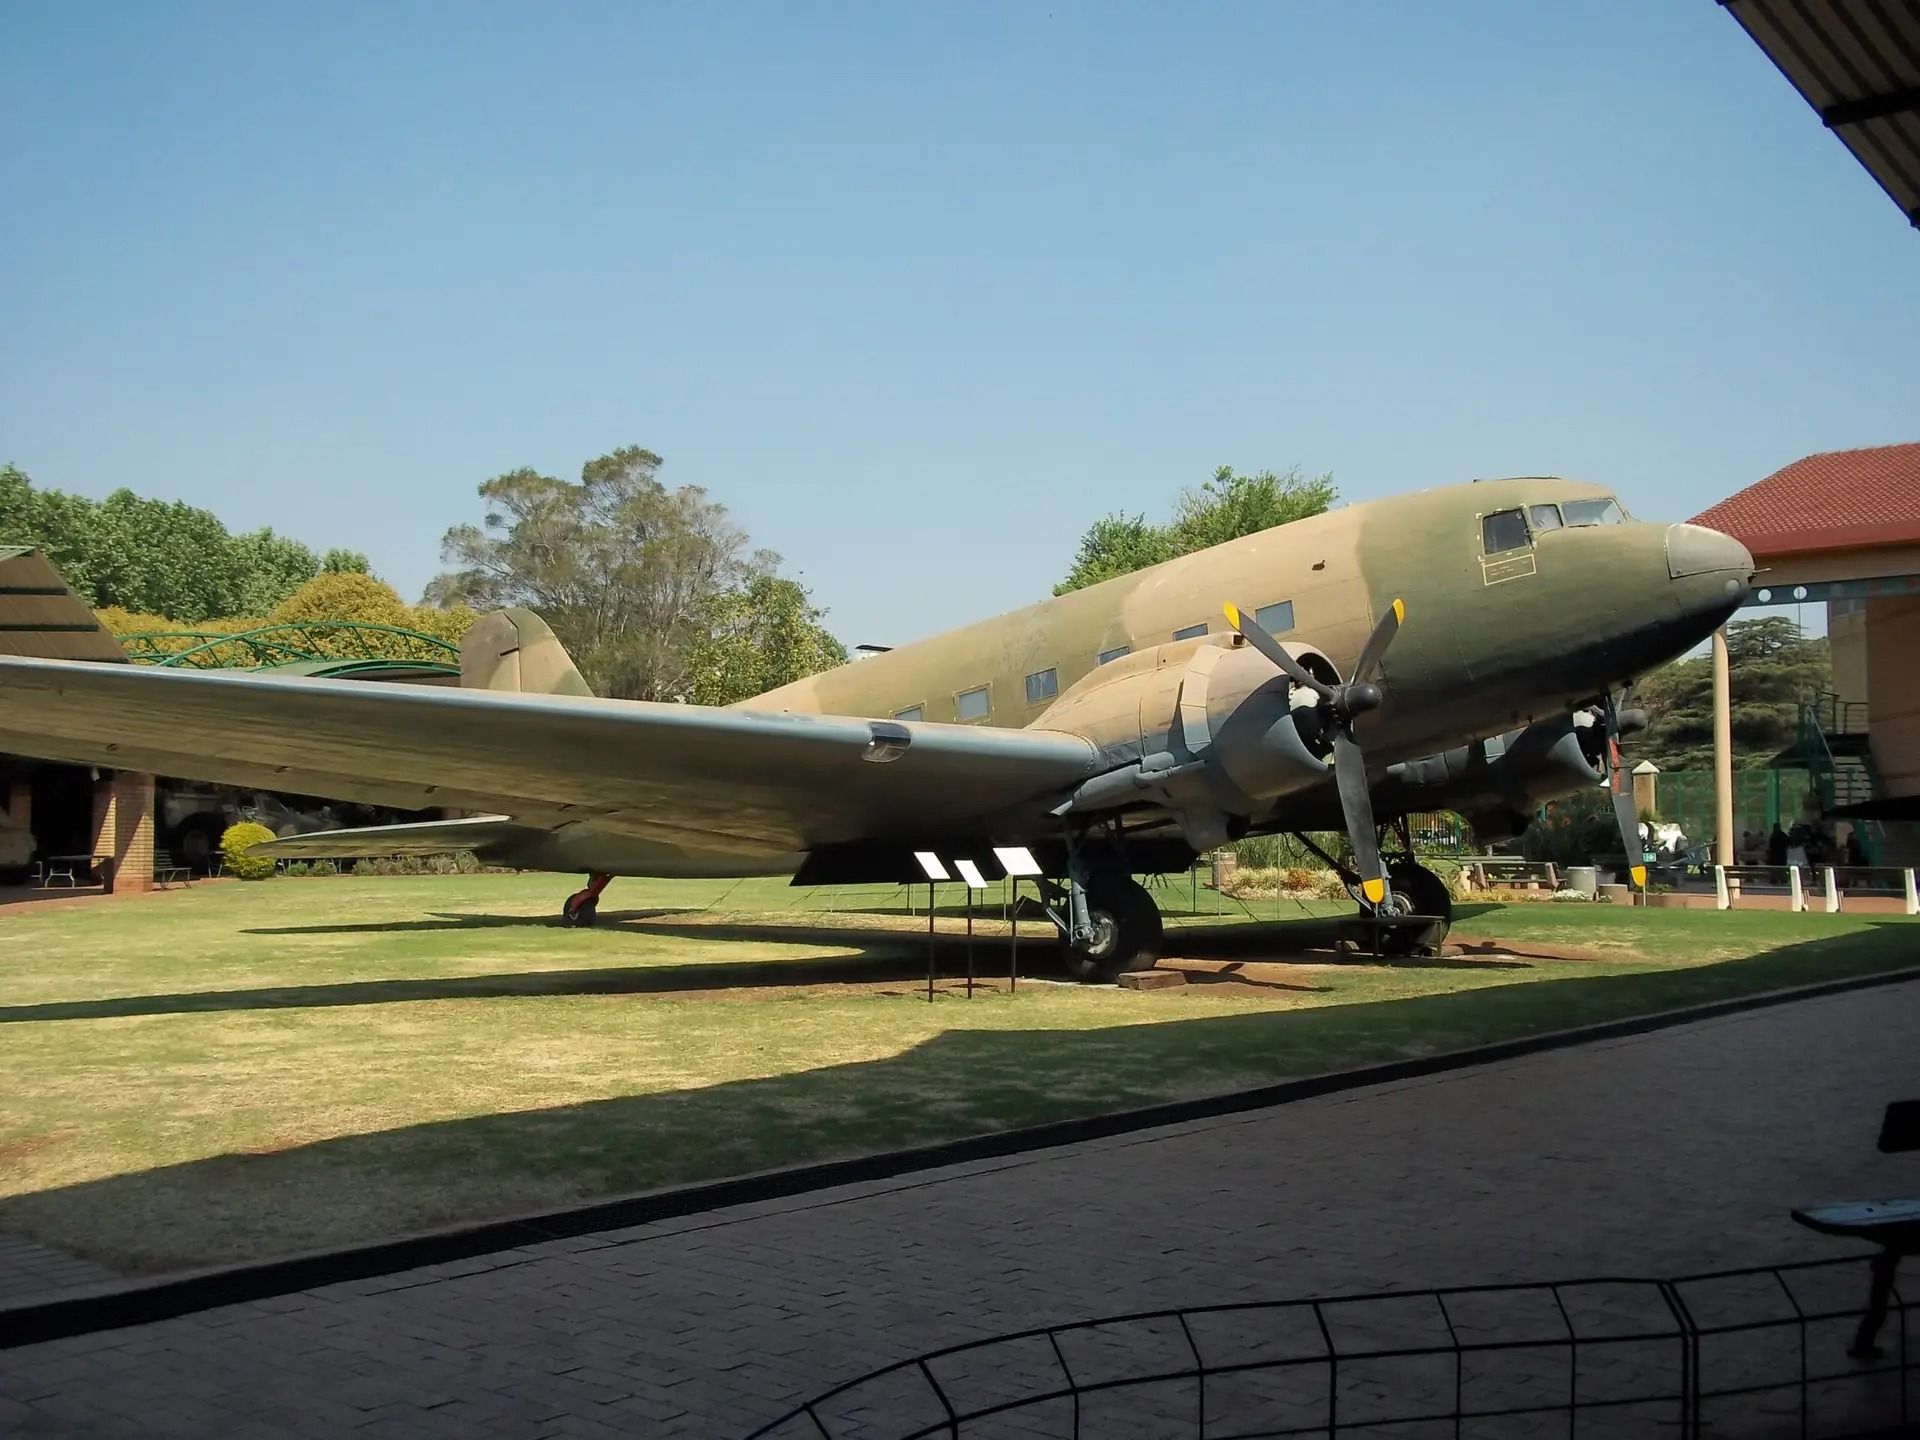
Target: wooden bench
1893	1225
169	871
1492	871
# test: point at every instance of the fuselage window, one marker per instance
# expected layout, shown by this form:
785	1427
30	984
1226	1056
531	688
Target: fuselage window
1042	685
1595	512
1275	618
1504	530
1190	631
1107	657
971	704
1544	518
912	712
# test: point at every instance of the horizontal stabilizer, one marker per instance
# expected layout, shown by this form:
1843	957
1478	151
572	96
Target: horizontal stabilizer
423	837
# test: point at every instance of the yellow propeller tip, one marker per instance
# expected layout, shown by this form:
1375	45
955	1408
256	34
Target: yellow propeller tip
1399	609
1639	873
1233	614
1374	890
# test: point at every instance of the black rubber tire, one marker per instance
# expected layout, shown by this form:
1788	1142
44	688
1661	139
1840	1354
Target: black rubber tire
579	911
1127	930
1425	891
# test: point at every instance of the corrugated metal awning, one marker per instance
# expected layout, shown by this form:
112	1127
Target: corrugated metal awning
40	616
1857	62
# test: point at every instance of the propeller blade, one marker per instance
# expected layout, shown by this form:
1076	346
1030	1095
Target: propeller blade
1629	819
1258	637
1356	804
1625	814
1376	647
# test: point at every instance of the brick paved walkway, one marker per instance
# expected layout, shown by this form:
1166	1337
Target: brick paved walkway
1667	1153
31	1271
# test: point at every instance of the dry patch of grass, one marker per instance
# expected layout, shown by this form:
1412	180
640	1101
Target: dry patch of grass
236	1070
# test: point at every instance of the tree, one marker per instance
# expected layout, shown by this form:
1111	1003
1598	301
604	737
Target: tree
340	595
156	557
1116	544
267	568
1223	508
342	562
763	635
627	572
1775	669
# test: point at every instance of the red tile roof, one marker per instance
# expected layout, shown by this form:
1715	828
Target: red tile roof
1840	500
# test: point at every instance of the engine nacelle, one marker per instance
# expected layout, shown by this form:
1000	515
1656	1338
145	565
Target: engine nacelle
1207	729
1499	782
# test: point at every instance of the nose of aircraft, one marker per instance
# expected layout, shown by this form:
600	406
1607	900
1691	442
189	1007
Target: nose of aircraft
1700	555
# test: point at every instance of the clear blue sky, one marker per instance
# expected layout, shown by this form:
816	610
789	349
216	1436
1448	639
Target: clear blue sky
919	290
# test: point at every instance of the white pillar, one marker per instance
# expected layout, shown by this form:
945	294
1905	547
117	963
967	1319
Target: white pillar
1913	896
1797	897
1833	892
1722	752
1721	900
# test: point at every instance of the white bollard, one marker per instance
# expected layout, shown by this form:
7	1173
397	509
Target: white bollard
1721	901
1796	897
1833	892
1913	896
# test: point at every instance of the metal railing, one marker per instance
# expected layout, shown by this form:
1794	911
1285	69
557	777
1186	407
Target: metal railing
1699	1354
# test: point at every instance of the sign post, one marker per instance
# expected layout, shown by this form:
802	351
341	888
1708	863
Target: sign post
970	873
931	867
1017	861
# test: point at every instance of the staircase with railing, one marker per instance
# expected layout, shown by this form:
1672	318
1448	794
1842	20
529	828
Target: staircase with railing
1833	746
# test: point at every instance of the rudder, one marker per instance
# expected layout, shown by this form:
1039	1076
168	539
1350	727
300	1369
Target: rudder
514	649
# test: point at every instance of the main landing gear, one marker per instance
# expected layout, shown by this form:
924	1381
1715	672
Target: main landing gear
1123	929
583	906
1412	891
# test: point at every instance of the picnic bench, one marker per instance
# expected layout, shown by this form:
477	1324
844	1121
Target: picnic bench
71	867
1893	1225
169	871
1488	872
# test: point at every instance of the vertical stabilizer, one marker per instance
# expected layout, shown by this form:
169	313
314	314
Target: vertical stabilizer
516	650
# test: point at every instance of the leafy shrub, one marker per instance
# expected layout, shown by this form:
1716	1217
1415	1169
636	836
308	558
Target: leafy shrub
236	847
459	862
1298	877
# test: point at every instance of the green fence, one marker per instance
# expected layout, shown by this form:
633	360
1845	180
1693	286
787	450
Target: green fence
1761	799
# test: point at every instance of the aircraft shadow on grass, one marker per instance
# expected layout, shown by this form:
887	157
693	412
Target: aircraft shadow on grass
896	957
963	1080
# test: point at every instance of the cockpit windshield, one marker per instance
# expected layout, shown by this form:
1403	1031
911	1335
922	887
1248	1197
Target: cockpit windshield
1593	512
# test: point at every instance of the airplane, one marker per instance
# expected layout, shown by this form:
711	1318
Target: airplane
1459	648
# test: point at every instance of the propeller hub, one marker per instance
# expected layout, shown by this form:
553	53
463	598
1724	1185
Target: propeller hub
1358	698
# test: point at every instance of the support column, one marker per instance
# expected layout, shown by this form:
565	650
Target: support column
20	805
1722	753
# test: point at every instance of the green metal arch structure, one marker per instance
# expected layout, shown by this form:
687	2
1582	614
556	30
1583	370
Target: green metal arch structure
362	649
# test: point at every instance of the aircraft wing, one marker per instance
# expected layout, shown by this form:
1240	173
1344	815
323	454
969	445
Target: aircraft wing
733	780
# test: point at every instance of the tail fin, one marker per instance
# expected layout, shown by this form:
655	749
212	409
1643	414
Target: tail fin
516	650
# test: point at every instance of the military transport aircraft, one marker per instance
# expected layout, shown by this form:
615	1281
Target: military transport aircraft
1457	648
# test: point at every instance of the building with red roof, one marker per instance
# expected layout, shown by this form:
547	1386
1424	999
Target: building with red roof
1843	528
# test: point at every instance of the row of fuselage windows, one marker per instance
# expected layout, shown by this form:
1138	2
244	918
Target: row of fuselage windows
1515	529
1044	685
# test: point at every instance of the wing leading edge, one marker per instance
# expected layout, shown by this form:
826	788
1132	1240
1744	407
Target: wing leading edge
715	780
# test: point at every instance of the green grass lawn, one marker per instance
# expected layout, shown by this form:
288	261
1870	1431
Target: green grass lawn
233	1071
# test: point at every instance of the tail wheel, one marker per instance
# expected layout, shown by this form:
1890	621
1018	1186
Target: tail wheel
582	908
1126	930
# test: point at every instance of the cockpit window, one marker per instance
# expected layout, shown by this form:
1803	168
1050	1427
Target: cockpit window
1544	518
1595	512
1504	530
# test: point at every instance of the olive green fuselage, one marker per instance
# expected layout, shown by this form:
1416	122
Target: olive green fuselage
1491	640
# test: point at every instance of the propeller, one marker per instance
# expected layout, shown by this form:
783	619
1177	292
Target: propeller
1621	784
1342	703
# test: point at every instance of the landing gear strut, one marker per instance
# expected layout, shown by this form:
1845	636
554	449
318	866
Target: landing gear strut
583	906
1122	928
